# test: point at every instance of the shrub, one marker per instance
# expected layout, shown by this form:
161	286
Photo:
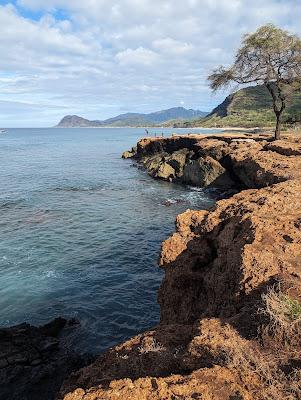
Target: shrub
268	369
151	346
284	316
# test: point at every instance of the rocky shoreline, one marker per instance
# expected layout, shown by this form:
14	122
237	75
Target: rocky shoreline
230	301
225	161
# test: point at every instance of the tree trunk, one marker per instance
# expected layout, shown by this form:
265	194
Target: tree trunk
278	125
278	97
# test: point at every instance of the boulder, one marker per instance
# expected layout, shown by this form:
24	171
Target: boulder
158	166
178	161
130	153
127	154
165	171
203	172
152	163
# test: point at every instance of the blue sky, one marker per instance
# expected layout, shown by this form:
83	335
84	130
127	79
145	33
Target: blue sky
100	58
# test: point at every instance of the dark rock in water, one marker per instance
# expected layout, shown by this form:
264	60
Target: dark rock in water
127	154
170	202
130	153
33	361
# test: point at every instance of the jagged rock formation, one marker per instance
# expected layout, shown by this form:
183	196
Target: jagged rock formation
33	361
130	153
229	274
219	161
169	160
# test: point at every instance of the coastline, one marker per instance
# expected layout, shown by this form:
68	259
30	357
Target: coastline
221	267
133	127
226	128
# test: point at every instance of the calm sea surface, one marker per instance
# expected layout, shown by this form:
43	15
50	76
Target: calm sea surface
80	232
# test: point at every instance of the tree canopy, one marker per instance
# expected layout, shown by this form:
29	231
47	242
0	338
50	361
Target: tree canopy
271	57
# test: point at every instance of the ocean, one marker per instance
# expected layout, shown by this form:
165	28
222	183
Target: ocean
80	232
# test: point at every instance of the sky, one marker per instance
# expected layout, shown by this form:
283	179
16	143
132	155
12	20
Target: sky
101	58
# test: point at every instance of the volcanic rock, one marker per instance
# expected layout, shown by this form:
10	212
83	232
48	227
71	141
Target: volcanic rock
216	339
33	361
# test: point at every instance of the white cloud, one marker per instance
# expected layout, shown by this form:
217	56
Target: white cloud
34	45
96	57
171	46
130	57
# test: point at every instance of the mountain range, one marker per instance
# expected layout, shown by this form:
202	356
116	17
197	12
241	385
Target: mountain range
133	119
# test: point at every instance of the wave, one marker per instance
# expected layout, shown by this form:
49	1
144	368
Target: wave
171	201
194	196
10	203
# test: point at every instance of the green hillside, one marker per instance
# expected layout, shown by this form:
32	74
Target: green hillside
248	107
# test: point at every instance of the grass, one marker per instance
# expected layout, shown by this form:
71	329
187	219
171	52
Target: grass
261	372
292	308
284	315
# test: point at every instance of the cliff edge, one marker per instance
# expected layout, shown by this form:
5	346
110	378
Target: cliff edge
230	323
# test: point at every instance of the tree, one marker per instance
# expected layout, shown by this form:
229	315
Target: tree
270	57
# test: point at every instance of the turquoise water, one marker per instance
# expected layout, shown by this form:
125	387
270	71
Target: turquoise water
80	232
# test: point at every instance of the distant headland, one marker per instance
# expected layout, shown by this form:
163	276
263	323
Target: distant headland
179	114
